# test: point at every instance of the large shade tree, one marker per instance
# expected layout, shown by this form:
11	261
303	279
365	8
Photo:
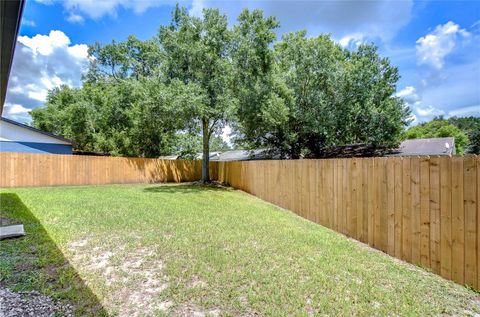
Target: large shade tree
197	55
321	95
296	97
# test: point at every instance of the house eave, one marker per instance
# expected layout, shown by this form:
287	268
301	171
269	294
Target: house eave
38	131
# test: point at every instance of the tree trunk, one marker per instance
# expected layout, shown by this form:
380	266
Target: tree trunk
206	152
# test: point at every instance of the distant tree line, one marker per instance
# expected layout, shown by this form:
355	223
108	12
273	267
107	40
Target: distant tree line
175	93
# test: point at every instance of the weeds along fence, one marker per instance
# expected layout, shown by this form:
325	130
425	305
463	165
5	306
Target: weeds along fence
26	169
424	210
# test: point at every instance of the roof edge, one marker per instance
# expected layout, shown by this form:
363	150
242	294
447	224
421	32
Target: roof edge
37	130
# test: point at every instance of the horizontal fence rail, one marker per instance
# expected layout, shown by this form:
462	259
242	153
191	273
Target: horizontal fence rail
424	210
25	169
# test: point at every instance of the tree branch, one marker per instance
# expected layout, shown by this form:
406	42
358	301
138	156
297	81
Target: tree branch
210	129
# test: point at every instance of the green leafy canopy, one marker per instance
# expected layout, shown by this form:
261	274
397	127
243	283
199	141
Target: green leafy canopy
175	93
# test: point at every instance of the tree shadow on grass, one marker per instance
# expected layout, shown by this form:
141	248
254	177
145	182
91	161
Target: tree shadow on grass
186	189
34	262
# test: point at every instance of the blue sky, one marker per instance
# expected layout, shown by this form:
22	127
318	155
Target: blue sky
435	44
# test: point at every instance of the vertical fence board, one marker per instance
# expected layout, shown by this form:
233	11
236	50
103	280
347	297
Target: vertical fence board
383	206
391	206
415	212
351	198
309	189
371	204
365	199
435	214
406	211
458	221
345	196
471	214
377	203
330	209
398	206
336	195
319	192
360	192
446	217
425	211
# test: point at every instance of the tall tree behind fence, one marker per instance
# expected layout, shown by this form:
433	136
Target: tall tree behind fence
424	210
25	169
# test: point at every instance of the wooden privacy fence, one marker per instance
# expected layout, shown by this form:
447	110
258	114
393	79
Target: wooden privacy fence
424	210
25	169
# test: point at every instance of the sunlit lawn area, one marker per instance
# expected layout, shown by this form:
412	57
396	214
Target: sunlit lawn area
189	250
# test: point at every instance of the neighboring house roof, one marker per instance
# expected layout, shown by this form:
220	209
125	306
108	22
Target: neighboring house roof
213	156
168	157
238	155
432	146
24	126
10	17
242	155
198	156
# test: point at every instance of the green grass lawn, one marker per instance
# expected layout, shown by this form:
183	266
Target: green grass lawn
185	250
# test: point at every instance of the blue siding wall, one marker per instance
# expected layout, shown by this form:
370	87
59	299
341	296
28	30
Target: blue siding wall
32	147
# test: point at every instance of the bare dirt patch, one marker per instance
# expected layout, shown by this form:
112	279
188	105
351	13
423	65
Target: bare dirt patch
133	277
195	311
198	282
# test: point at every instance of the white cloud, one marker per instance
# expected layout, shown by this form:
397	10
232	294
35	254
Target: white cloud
14	109
435	46
420	113
75	18
352	39
79	51
16	112
197	7
409	94
45	44
428	111
42	62
37	92
412	99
